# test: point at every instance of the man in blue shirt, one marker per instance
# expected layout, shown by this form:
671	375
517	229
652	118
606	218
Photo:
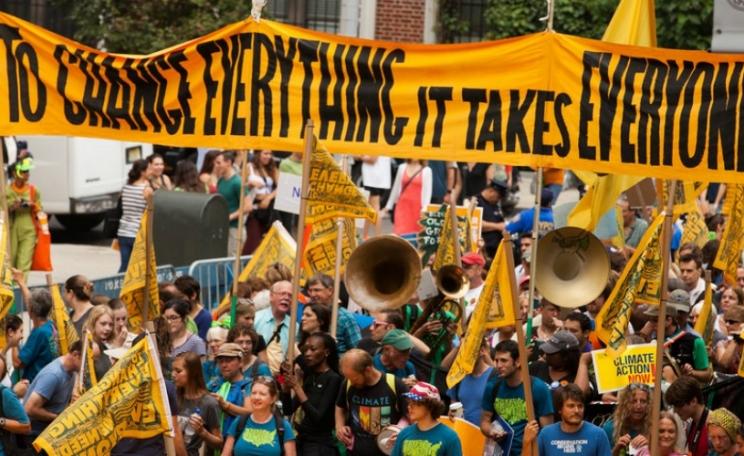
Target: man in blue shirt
572	435
524	221
41	347
348	334
273	323
504	396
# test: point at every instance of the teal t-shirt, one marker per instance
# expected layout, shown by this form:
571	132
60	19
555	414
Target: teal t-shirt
407	371
40	349
230	189
437	441
11	409
259	439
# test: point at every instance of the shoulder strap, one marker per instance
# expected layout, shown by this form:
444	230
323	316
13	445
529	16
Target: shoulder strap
276	333
405	186
279	422
241	424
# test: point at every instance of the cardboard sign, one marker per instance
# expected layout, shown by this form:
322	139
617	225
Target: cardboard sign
433	219
288	193
637	364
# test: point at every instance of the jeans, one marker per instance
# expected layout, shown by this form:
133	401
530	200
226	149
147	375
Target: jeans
125	251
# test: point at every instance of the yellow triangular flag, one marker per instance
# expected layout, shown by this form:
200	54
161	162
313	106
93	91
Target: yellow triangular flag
634	22
706	318
331	192
729	252
320	252
695	230
65	329
133	289
639	273
277	246
495	309
599	199
129	401
446	248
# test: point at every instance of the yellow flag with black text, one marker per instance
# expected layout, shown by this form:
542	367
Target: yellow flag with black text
331	192
133	289
495	308
641	273
129	401
65	329
320	251
695	230
729	252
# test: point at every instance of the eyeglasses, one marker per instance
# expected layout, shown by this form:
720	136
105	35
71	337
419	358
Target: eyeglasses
379	323
173	318
732	322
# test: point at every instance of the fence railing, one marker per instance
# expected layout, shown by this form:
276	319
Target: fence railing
215	276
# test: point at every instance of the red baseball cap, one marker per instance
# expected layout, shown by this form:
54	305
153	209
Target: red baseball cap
472	258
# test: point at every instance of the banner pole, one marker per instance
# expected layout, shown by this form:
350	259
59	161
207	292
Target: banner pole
239	246
711	314
339	253
533	257
661	319
168	436
148	266
306	162
518	320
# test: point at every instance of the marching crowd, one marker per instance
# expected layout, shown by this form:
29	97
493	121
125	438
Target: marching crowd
379	386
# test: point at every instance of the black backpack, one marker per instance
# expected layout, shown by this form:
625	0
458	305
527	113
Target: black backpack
278	422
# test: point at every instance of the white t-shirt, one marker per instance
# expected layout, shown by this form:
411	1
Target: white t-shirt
471	299
377	174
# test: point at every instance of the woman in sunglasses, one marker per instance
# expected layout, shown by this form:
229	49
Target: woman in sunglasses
631	420
727	352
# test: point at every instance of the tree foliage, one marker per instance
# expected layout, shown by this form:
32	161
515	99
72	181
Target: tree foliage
145	26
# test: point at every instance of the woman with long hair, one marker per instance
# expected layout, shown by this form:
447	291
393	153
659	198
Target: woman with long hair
134	198
631	422
198	412
315	318
121	337
266	420
669	432
78	291
410	195
175	312
186	178
311	391
262	179
100	324
207	175
247	338
156	173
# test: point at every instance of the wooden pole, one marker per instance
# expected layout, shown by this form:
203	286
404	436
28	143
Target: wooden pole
661	319
306	161
337	265
518	321
239	246
455	229
148	266
533	257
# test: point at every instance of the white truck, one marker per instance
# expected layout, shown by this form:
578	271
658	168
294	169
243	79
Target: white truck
79	178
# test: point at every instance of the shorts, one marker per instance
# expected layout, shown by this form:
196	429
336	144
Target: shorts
374	191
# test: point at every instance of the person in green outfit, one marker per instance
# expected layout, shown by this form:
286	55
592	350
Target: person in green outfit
24	207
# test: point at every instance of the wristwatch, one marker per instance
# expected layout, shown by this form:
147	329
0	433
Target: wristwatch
2	423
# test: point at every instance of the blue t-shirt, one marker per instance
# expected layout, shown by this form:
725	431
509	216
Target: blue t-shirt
261	369
437	441
609	429
203	321
509	404
11	409
523	223
40	349
54	384
234	393
400	373
590	440
259	439
470	392
212	375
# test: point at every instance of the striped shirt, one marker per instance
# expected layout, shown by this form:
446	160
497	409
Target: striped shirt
133	205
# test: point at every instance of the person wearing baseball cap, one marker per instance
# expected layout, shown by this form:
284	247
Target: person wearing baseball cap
473	264
722	428
394	356
562	352
427	435
493	219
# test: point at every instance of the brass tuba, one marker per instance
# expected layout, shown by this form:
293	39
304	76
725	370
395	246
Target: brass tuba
383	273
572	267
452	281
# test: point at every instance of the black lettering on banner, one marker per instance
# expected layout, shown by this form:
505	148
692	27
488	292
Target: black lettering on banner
418	140
350	93
175	60
74	112
241	41
261	44
94	92
171	125
515	125
491	128
393	125
636	66
368	99
228	55
285	59
675	83
118	104
541	127
705	70
145	94
590	60
8	35
740	130
608	90
24	51
206	50
562	149
308	55
474	97
723	116
440	95
331	112
649	150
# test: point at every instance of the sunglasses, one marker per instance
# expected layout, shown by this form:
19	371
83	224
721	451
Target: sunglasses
732	322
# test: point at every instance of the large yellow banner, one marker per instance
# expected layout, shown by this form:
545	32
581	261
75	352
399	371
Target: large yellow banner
545	99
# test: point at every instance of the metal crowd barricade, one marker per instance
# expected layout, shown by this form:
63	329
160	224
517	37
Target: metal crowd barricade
215	276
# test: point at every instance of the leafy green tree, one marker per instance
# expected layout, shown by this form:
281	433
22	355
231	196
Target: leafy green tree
145	26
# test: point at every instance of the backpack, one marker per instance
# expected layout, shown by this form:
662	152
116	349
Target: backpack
278	422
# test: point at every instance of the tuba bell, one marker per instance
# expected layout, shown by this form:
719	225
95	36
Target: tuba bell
572	267
452	281
383	273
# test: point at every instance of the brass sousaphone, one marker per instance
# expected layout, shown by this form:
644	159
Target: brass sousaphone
572	267
383	273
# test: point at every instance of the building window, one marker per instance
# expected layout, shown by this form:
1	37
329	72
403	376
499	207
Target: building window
41	13
321	15
463	21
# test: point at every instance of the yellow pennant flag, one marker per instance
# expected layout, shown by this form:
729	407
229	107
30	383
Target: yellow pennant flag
133	289
129	401
685	196
320	252
446	248
706	318
495	309
331	192
65	329
599	198
6	280
277	246
695	230
634	22
729	252
639	275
